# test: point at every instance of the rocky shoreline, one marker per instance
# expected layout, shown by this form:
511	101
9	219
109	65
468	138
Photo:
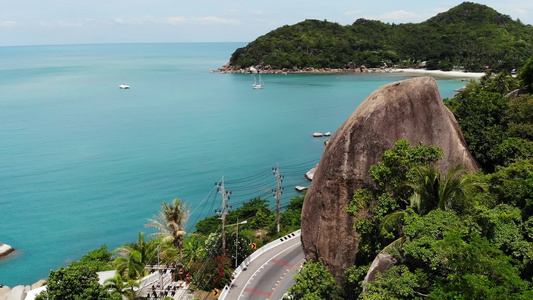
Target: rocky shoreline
19	292
351	68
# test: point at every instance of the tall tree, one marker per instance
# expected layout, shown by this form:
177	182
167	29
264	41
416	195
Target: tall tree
314	282
526	74
170	223
431	190
74	283
134	257
124	288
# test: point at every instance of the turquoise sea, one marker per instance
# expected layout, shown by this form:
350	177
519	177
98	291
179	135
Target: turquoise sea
83	163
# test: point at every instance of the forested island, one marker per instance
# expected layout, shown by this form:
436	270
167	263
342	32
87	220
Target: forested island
470	37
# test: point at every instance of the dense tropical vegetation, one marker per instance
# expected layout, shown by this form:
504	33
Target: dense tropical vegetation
452	235
197	255
469	36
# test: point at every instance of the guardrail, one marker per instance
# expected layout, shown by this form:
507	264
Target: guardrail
255	255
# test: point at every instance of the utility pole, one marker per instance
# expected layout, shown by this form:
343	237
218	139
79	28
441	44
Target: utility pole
160	273
278	191
222	190
237	243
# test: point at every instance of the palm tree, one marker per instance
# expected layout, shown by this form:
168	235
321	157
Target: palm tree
134	257
117	285
170	223
433	191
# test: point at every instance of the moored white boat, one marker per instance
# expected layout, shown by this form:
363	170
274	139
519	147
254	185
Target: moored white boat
300	188
124	86
318	134
258	85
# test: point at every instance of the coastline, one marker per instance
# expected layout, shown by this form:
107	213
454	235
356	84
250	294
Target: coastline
439	73
408	71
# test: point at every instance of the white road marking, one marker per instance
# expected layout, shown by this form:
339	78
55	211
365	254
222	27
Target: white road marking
248	282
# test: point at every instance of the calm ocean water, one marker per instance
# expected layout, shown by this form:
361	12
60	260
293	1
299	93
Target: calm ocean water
83	163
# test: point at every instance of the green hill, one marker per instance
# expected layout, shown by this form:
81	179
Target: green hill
469	36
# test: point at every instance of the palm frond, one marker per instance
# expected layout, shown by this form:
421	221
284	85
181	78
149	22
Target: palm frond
393	221
395	246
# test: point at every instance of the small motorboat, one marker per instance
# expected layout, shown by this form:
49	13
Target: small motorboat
301	188
123	86
318	134
327	133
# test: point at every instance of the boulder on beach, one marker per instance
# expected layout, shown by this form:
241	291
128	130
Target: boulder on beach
38	284
4	291
17	293
412	110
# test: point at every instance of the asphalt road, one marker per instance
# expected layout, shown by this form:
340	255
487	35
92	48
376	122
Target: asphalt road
270	275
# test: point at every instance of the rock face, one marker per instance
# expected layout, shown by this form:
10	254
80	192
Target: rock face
411	110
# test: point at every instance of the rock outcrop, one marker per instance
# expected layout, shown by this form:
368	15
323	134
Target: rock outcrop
38	284
413	110
18	293
4	291
516	93
381	264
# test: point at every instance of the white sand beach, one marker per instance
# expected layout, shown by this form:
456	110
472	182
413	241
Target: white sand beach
439	73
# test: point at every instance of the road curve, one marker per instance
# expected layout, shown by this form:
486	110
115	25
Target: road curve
270	275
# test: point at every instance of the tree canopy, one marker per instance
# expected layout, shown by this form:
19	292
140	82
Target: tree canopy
469	36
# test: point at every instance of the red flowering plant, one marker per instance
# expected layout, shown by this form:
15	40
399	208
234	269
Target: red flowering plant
212	273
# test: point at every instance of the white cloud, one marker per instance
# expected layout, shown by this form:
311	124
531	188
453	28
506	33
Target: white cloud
78	23
401	16
202	20
175	20
214	20
8	24
119	21
520	10
353	12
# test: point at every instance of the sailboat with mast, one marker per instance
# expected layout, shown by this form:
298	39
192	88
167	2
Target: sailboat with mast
258	84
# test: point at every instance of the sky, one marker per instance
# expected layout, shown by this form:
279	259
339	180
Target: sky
52	22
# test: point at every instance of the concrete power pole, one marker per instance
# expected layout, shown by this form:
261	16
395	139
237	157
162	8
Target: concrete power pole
278	192
224	212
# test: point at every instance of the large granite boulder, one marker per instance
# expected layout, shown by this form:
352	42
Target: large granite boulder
4	290
411	109
17	293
